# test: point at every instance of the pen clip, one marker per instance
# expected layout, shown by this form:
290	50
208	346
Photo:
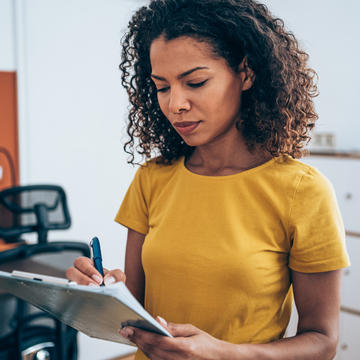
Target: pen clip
95	248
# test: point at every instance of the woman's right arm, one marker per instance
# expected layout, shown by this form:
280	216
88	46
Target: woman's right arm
135	277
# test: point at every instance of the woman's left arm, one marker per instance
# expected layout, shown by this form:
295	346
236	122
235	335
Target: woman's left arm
317	298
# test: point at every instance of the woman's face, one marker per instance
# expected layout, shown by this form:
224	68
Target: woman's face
198	93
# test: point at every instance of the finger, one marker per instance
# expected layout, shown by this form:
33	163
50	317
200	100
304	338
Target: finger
147	339
114	276
158	347
182	330
74	274
162	321
154	346
86	266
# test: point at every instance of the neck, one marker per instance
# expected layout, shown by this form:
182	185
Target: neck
225	157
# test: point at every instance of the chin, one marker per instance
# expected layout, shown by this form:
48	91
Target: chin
193	141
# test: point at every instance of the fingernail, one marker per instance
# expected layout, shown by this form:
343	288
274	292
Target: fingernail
122	332
163	321
93	285
109	280
97	278
126	332
129	331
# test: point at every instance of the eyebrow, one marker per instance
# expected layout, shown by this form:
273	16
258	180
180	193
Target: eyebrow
182	75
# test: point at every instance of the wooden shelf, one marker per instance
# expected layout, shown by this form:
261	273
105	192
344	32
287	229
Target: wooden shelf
352	234
125	357
336	154
350	310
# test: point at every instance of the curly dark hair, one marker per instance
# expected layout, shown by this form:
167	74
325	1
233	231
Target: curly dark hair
277	112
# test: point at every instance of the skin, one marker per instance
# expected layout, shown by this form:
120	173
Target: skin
217	105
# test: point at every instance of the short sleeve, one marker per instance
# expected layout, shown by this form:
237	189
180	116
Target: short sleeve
133	212
316	227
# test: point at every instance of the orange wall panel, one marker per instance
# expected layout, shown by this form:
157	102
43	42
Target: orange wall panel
9	154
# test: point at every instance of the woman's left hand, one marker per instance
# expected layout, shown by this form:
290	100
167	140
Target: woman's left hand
188	342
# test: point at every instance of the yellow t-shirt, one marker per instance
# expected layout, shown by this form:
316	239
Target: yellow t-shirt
218	249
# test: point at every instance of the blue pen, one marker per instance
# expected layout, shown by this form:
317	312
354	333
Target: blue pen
96	256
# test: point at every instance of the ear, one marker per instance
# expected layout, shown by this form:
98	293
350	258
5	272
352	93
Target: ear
246	74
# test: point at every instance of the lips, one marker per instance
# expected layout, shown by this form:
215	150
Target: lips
186	127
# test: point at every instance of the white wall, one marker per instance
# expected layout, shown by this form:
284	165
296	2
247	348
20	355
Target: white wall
72	119
7	36
329	30
76	109
72	107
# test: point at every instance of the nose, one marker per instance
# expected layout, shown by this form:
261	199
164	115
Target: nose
178	101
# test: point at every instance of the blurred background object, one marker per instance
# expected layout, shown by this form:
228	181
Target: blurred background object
27	333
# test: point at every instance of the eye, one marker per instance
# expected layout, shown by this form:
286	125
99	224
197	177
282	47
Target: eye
162	89
196	85
193	85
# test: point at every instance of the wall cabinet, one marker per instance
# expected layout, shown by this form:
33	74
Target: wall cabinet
344	174
348	347
350	283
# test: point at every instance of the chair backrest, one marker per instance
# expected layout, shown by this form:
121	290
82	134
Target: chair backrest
33	208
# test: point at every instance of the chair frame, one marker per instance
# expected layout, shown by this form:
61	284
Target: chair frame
24	251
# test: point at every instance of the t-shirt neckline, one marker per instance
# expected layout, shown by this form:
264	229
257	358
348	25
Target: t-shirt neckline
185	170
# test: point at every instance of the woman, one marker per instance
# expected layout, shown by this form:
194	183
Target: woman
225	226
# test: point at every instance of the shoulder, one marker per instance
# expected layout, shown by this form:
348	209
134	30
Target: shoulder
155	171
310	187
304	174
298	182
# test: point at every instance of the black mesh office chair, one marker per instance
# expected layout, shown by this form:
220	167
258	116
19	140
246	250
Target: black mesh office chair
27	333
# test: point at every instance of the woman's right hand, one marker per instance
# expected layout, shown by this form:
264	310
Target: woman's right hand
84	273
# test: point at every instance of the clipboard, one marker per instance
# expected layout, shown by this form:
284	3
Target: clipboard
99	312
